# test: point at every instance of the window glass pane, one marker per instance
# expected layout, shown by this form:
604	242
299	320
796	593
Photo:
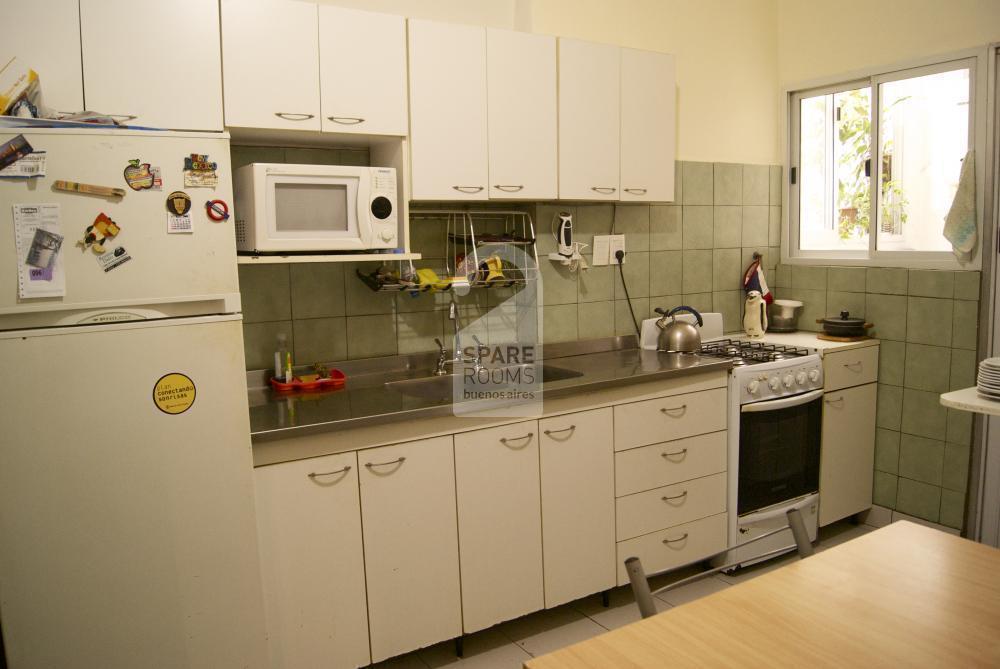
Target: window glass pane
834	143
923	137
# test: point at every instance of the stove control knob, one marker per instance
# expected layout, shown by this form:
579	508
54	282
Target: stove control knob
774	383
788	380
800	378
814	375
753	386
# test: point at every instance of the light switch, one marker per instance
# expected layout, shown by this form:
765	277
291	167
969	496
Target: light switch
601	245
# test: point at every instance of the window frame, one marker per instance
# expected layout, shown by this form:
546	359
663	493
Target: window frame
975	61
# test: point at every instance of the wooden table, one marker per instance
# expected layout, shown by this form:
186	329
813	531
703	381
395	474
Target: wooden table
901	596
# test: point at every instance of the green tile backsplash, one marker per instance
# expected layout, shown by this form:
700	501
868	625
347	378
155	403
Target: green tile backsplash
690	252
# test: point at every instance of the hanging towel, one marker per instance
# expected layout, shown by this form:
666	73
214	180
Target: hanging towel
960	224
753	279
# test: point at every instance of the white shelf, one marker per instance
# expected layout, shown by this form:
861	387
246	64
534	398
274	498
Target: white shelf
357	257
968	399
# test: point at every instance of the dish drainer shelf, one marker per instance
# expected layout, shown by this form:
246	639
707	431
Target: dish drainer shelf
483	249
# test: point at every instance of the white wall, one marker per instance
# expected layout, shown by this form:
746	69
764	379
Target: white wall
821	39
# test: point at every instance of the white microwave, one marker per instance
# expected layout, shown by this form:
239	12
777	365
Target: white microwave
315	208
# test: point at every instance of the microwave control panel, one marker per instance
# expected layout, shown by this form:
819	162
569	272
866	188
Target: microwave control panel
382	205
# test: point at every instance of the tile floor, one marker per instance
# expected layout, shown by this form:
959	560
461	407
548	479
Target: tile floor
510	644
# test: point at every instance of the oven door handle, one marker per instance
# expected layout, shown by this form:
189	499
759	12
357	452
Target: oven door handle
783	403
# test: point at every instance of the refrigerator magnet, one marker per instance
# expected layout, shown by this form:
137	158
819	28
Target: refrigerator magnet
217	210
116	258
142	176
98	232
178	203
199	171
174	393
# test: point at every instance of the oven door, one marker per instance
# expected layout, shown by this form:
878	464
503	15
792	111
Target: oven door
779	450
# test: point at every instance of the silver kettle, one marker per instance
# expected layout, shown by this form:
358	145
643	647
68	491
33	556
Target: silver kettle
678	336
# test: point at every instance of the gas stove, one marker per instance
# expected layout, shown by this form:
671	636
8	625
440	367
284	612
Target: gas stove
748	352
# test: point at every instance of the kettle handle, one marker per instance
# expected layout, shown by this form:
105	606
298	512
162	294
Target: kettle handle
683	308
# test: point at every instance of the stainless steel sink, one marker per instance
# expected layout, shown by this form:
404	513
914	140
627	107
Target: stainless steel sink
442	387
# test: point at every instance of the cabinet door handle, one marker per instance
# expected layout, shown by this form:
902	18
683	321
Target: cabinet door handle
683	451
853	365
346	120
673	541
607	190
672	497
344	470
669	410
527	440
636	191
565	429
508	189
834	400
468	189
397	461
293	117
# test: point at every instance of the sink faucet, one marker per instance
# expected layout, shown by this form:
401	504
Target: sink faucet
442	361
453	317
477	359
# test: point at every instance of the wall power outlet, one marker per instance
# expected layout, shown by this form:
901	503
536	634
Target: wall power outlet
605	247
617	244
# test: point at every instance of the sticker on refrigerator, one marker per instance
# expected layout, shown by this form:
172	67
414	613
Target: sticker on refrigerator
115	258
142	176
199	172
29	166
13	150
38	240
174	393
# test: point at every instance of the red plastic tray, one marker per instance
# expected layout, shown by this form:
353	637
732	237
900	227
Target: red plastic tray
334	381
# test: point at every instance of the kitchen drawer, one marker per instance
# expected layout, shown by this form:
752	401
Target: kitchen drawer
671	505
843	369
675	547
657	465
669	418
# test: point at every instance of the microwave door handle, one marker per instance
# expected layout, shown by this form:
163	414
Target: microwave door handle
783	403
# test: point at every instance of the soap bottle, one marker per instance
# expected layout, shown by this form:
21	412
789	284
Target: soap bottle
279	356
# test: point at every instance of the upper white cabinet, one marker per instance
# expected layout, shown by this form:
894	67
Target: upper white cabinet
648	118
270	52
411	545
589	120
521	91
448	144
140	63
499	523
362	68
312	562
44	35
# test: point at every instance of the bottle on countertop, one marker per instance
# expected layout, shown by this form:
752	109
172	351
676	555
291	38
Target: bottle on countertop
279	356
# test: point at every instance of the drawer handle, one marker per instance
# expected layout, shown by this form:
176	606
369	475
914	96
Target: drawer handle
681	453
468	189
293	117
834	400
669	410
526	437
346	469
397	461
565	429
636	191
672	497
346	120
508	189
607	190
674	541
853	365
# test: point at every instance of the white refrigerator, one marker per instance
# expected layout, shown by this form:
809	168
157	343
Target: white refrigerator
127	532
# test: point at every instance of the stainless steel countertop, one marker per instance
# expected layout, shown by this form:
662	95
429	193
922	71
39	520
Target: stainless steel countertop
367	400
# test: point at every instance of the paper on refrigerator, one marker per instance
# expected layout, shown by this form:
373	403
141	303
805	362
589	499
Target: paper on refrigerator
34	281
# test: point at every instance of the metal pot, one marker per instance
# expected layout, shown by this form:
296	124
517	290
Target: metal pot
678	336
783	316
844	326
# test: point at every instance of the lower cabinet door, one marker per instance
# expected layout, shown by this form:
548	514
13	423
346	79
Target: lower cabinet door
578	504
312	562
499	523
411	545
847	455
